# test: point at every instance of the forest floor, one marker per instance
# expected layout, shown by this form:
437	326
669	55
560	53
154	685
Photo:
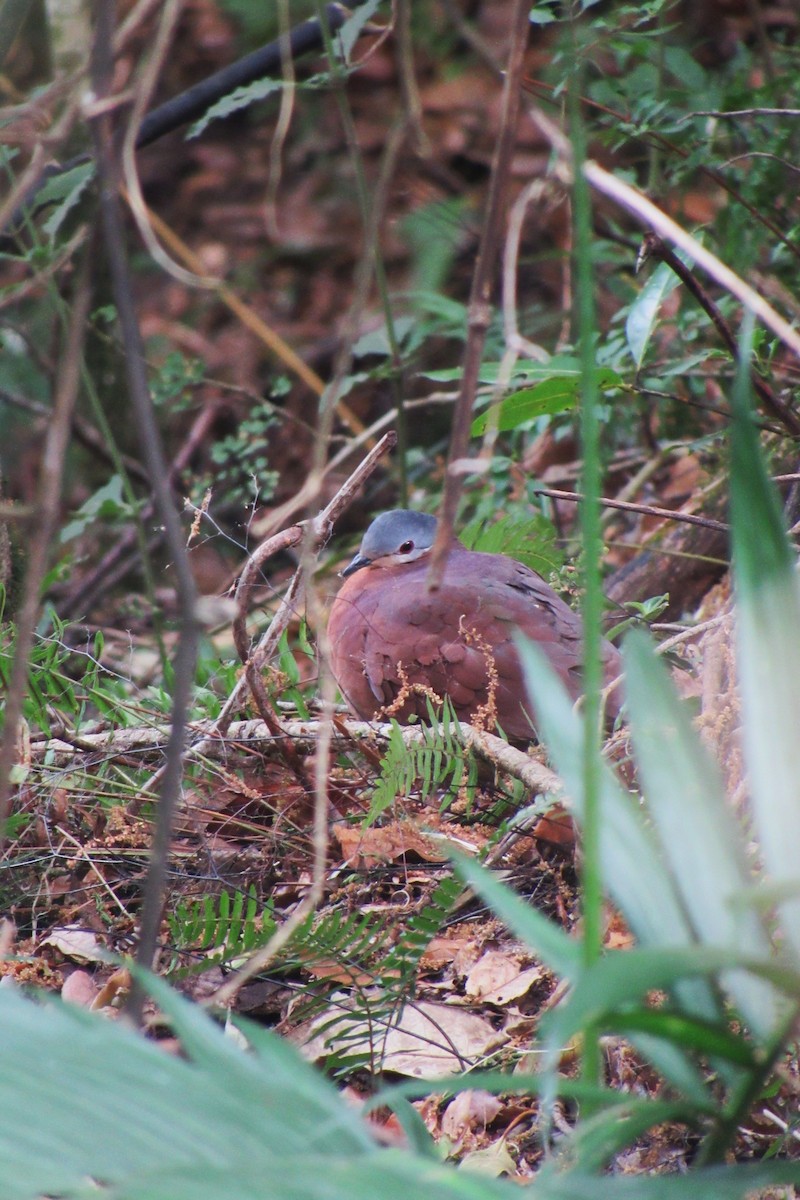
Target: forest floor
393	934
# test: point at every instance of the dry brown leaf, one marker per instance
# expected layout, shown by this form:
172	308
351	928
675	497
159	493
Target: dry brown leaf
473	1109
367	848
497	978
441	950
79	945
556	827
427	1039
333	971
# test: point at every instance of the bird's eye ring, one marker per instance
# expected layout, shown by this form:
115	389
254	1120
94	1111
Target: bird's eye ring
406	548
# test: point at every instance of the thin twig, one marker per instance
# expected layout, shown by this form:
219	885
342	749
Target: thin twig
409	89
691	631
188	627
647	510
47	511
187	106
120	557
479	308
282	123
13	212
252	668
84	432
168	18
514	343
654	246
741	112
322	527
82	852
249	577
651	216
714	176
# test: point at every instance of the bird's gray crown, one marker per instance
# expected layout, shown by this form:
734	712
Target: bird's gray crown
400	536
392	530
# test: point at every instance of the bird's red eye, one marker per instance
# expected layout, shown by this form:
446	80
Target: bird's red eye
406	548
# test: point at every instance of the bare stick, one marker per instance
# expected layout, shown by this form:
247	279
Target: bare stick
654	246
252	668
652	216
254	734
479	311
322	528
647	510
47	507
186	651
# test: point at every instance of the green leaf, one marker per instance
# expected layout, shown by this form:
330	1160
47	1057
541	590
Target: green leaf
641	320
377	340
699	835
434	233
561	952
597	1139
388	1174
107	503
702	1037
559	393
64	190
523	371
624	977
545	399
738	1182
633	865
768	642
350	31
239	98
543	13
634	870
531	540
761	549
153	1112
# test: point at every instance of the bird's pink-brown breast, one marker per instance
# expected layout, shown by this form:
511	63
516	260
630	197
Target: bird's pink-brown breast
384	625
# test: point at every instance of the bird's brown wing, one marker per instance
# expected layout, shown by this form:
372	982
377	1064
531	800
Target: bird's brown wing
391	638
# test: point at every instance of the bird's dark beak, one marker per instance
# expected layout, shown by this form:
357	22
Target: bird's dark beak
357	563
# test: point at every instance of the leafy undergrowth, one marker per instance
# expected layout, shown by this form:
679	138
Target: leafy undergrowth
675	1050
401	973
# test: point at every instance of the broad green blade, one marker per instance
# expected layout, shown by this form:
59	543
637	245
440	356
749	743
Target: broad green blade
768	643
633	866
381	1175
598	1138
625	977
641	320
741	1181
699	836
560	952
81	1096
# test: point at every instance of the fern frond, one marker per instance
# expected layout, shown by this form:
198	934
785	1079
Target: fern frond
440	762
355	1023
219	929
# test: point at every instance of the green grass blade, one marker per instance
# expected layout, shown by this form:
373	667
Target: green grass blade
560	952
768	643
698	833
633	866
